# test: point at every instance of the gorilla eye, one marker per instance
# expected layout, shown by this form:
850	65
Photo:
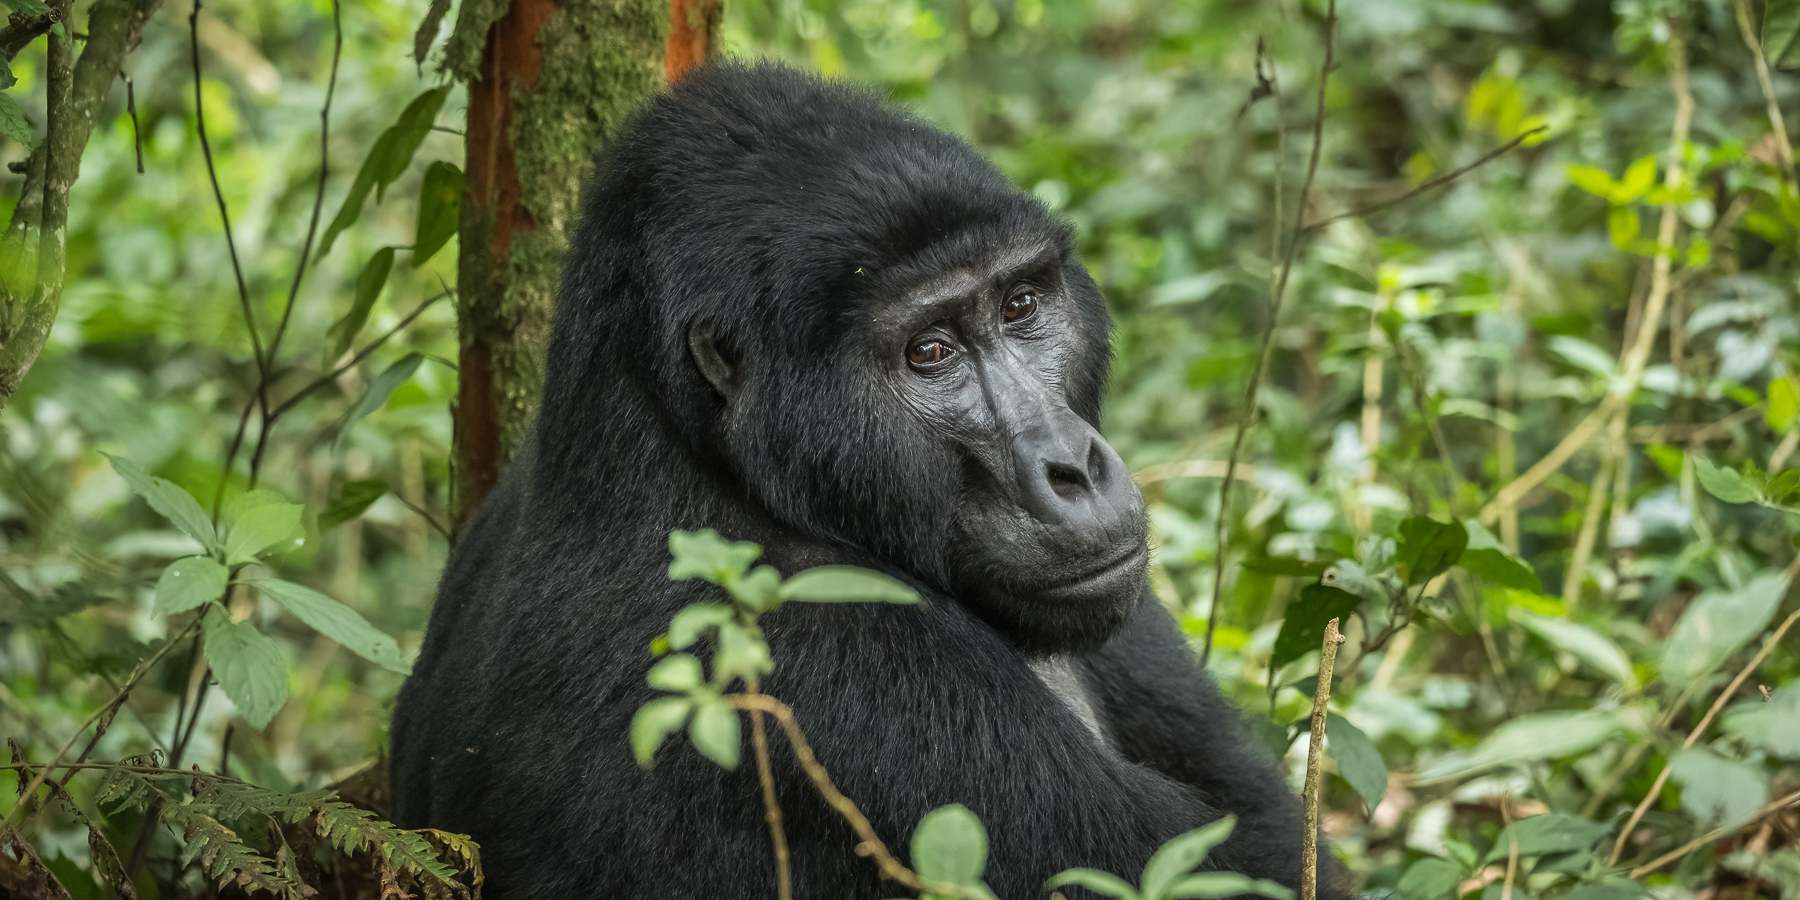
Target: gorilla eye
1019	306
928	352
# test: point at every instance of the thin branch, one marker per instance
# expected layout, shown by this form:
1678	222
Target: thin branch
237	270
1315	750
784	887
312	227
1433	184
1783	148
16	36
361	355
1768	810
429	519
137	131
1276	291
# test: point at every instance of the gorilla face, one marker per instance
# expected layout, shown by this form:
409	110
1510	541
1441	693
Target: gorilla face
955	450
1049	529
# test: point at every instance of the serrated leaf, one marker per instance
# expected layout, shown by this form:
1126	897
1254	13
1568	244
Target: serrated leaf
369	282
1357	758
353	499
249	667
716	733
679	673
950	845
188	583
1725	484
1781	33
336	621
7	78
1592	180
1303	625
653	722
693	620
440	210
1427	548
1105	884
1180	855
168	499
849	584
704	554
259	522
378	392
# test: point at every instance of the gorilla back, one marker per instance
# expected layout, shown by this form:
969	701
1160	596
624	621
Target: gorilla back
814	323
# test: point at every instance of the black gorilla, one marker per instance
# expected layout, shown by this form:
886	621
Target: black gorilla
814	323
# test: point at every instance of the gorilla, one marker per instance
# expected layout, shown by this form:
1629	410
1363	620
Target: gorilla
806	320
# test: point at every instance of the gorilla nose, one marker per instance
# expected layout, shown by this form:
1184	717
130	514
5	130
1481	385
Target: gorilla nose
1068	476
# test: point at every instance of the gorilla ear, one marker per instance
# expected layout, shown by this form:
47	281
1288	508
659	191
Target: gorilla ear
720	372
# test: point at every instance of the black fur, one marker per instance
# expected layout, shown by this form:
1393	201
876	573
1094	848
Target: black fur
788	212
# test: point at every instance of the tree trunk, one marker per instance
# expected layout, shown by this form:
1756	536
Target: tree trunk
549	83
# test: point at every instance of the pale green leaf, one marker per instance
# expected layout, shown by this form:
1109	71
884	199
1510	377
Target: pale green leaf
693	620
704	554
1358	760
1213	885
1718	622
188	583
1720	792
1430	879
1535	736
336	621
846	583
1584	643
168	499
1637	181
1623	225
716	733
1102	883
1556	832
950	846
1594	181
248	666
261	522
652	723
382	387
1725	484
679	672
1772	725
1180	855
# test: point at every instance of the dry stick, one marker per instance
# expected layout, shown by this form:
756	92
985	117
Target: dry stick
784	888
118	699
1694	735
1772	808
870	843
1309	838
1782	146
1619	394
1276	291
1434	183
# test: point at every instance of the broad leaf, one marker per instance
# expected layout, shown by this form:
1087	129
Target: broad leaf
261	522
1557	832
336	621
1213	885
1716	623
653	722
1303	626
1772	725
1721	792
440	210
847	584
1358	760
1781	33
353	499
1297	568
1724	484
189	582
950	846
379	390
388	158
1430	879
1488	558
1584	643
1427	548
693	620
167	498
249	667
1783	404
704	554
1535	736
1594	181
716	733
7	78
679	672
369	282
12	121
1181	855
1105	884
1637	181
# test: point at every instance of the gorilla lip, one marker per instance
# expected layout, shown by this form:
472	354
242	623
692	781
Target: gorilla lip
1117	566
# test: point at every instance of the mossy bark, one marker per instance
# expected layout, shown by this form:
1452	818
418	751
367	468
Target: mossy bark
549	84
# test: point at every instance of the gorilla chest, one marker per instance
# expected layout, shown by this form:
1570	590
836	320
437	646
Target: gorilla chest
1058	674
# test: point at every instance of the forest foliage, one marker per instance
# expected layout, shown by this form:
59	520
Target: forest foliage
1529	432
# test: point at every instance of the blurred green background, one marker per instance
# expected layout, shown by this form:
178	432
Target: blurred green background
1426	355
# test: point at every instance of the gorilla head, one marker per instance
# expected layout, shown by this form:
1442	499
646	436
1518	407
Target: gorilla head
884	344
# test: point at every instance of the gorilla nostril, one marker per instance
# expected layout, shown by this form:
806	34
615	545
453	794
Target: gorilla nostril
1096	464
1067	481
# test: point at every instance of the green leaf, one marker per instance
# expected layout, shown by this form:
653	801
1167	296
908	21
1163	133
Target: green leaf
692	621
1781	33
387	160
1213	885
1584	643
760	590
1724	484
353	499
1296	568
1622	225
950	846
378	392
1592	180
1716	623
1429	879
261	522
369	283
1102	883
1180	855
1772	725
1303	627
7	78
716	733
336	621
1784	404
704	554
248	665
29	7
846	584
1427	548
1557	832
1488	558
440	210
1357	758
679	673
189	582
1720	792
1535	736
740	655
167	498
1637	181
652	723
12	121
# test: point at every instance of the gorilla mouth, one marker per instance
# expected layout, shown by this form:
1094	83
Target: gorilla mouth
1119	573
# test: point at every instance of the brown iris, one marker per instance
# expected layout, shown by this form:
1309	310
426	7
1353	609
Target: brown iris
928	352
1019	306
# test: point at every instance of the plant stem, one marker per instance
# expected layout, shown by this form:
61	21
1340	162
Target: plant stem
784	888
1309	838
